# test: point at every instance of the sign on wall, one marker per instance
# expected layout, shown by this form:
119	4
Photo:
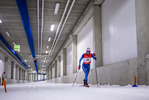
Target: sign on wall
16	47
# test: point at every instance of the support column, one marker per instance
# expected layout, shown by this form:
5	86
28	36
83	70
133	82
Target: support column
47	74
55	65
26	76
35	77
12	70
50	73
32	76
142	26
58	66
64	62
97	35
22	74
74	53
19	73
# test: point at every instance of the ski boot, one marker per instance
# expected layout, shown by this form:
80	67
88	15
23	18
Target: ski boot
86	85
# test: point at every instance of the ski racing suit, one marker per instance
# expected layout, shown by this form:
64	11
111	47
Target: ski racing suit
86	63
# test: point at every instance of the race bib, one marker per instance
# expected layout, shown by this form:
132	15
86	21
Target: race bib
86	60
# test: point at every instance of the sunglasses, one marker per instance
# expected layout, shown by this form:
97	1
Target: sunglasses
88	51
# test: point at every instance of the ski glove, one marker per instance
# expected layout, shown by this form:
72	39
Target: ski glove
94	54
79	67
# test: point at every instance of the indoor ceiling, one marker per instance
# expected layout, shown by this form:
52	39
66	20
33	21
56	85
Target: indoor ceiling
12	23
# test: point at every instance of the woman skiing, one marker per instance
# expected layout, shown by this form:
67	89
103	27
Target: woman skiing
86	64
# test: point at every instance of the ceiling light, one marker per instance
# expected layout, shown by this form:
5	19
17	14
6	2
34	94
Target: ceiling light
25	60
49	39
45	58
47	46
44	61
29	66
46	51
56	8
8	34
52	27
31	69
14	43
0	21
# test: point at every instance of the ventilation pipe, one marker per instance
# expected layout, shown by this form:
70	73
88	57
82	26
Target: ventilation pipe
23	10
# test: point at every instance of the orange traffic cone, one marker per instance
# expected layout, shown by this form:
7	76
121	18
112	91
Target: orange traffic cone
135	81
4	83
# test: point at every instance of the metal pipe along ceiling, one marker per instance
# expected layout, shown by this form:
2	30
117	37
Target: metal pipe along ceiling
60	25
22	7
38	23
6	44
42	24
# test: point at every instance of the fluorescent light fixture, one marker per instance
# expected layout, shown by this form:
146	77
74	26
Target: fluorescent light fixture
45	58
44	61
46	51
31	69
49	39
8	34
52	27
14	43
25	60
56	8
47	46
0	21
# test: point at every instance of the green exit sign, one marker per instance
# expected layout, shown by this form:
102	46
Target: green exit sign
16	47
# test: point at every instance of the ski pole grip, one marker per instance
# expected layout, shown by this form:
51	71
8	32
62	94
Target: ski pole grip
94	54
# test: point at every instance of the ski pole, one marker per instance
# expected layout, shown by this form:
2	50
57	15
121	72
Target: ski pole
96	71
96	76
75	78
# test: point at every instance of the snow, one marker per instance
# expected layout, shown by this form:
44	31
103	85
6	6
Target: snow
50	91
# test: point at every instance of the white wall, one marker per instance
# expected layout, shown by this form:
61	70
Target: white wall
39	78
2	58
14	70
85	40
17	72
8	72
118	31
30	77
36	77
53	71
50	74
33	77
61	65
69	59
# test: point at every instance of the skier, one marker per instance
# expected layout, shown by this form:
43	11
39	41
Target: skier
86	64
4	81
